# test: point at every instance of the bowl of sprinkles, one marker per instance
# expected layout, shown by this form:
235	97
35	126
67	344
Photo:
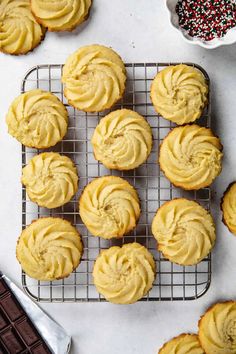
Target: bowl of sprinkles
208	23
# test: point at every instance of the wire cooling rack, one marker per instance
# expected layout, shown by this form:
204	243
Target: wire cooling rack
173	282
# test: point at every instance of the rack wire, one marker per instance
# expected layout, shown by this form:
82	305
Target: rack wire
173	282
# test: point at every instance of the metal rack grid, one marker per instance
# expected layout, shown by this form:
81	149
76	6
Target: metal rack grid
173	282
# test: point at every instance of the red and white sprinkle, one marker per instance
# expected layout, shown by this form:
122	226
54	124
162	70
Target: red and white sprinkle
206	19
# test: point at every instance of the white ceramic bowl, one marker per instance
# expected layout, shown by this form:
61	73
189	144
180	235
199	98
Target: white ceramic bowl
229	38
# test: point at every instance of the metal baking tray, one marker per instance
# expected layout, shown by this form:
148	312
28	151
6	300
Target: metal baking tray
173	282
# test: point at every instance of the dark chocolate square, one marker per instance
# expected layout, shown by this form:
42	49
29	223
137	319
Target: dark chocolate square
40	349
11	308
17	333
3	287
3	320
12	342
27	332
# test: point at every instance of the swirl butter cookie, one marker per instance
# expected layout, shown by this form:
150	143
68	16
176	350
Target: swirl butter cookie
122	140
94	78
19	31
37	119
49	249
51	179
217	329
183	344
180	93
109	207
123	275
184	230
190	157
60	15
228	206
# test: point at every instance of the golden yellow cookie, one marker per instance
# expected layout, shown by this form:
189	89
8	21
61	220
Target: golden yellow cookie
190	157
49	249
19	30
60	15
184	230
179	93
37	119
122	140
109	207
51	179
183	344
228	206
217	329
94	78
123	275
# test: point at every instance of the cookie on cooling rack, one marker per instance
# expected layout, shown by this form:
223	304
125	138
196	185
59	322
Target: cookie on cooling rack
180	93
122	140
49	249
94	78
183	344
109	207
37	119
60	15
217	329
190	157
228	206
51	179
19	31
123	275
184	230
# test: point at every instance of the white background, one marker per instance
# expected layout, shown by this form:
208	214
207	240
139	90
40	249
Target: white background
140	31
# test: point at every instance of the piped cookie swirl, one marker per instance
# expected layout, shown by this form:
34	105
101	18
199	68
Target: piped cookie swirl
228	206
19	30
60	15
123	275
184	230
179	93
183	344
37	119
51	179
217	329
49	249
94	78
190	157
109	207
122	140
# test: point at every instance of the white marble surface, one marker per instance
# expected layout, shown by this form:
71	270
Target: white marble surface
139	30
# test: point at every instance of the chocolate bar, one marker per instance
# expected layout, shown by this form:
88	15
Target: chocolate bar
18	335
